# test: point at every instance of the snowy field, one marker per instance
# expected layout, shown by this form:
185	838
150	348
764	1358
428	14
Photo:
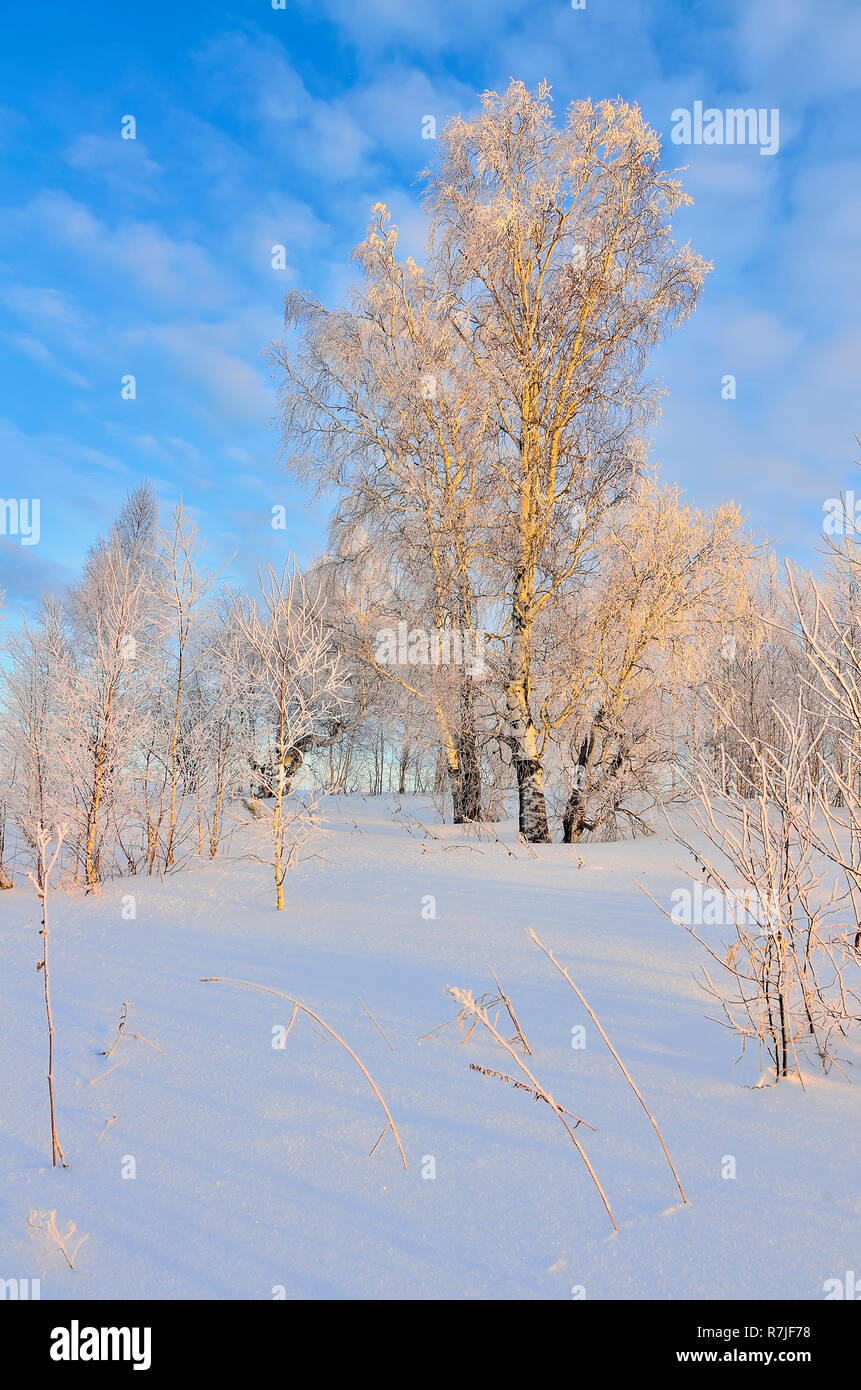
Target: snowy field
252	1176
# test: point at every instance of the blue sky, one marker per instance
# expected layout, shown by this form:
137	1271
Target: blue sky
258	127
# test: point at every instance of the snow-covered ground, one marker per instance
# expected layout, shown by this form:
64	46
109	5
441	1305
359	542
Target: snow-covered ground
251	1162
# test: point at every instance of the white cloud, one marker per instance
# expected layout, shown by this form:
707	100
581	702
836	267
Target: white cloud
37	352
806	49
125	165
207	357
323	135
139	254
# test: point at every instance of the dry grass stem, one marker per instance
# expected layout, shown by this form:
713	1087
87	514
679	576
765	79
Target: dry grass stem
627	1075
303	1008
473	1009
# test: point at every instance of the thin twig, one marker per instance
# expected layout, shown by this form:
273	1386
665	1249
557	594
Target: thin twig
373	1020
511	1014
47	1222
124	1013
522	1086
265	989
472	1008
106	1073
40	881
627	1075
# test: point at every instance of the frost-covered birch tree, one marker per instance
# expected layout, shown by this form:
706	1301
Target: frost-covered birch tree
550	272
553	249
288	658
381	400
